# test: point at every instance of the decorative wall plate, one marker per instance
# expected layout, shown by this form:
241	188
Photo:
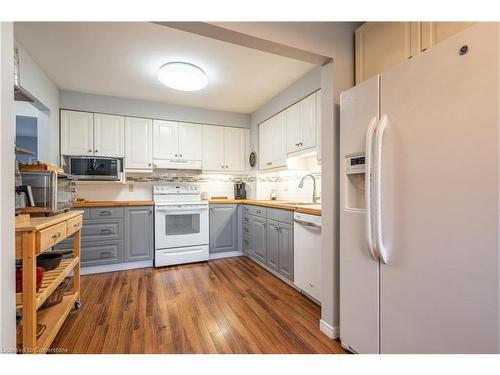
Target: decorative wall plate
253	159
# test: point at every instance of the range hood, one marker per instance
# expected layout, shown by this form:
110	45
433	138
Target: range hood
176	164
19	93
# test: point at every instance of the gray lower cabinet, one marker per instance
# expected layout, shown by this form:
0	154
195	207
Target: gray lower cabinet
113	235
268	238
138	233
223	228
272	244
285	250
101	253
259	246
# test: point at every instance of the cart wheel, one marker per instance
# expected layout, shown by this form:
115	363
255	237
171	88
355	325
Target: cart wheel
78	304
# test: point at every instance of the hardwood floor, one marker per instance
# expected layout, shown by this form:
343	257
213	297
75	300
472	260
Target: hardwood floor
224	306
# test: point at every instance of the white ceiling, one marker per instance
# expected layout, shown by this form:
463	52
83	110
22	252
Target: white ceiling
122	58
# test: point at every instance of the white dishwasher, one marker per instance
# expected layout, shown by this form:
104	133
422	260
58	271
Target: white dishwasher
307	253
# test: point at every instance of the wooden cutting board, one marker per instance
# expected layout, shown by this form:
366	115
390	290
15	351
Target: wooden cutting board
38	166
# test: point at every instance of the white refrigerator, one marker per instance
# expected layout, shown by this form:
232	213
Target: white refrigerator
420	202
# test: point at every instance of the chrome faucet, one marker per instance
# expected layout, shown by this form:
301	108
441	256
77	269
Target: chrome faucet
315	193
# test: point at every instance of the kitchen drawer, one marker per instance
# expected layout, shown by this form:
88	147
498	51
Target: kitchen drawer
285	216
102	230
74	224
102	253
49	237
105	212
254	210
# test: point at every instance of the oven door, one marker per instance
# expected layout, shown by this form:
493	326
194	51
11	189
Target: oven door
181	225
65	192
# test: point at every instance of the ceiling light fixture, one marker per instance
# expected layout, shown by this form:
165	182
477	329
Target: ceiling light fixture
182	76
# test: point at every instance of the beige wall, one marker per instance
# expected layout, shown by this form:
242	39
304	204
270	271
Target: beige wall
335	40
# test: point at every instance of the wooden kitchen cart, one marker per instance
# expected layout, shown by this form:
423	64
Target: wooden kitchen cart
33	238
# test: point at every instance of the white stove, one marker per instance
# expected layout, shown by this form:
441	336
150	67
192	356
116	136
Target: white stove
181	225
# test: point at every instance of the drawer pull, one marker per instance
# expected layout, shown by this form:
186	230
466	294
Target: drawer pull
56	235
106	231
76	225
106	253
246	230
105	213
246	242
259	211
246	219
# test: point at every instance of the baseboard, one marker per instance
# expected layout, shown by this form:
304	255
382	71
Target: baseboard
227	254
328	330
115	267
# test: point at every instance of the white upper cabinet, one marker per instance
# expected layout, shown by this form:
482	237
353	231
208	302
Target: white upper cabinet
77	133
292	128
234	149
176	140
381	45
223	149
318	125
190	141
92	134
308	122
213	148
273	142
109	132
435	32
165	139
301	124
138	143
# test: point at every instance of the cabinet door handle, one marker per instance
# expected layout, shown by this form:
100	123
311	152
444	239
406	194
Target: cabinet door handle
297	144
90	151
175	155
301	144
180	155
269	163
96	151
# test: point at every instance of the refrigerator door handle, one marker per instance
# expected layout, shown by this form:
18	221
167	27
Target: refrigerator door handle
379	136
368	185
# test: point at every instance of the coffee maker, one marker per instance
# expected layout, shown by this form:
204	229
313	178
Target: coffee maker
23	193
239	190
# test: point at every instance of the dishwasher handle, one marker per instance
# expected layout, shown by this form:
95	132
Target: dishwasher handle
307	224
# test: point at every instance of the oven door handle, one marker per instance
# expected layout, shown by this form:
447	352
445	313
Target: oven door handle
170	209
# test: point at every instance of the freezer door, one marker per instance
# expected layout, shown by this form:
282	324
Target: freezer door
439	291
359	272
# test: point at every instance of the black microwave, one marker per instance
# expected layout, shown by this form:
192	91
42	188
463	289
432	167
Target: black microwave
91	168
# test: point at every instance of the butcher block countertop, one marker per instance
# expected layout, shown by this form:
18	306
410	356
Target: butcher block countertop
39	222
313	209
81	204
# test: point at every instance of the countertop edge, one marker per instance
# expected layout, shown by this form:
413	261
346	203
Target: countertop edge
301	209
86	204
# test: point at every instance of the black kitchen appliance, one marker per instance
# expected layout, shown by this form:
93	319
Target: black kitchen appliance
240	190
